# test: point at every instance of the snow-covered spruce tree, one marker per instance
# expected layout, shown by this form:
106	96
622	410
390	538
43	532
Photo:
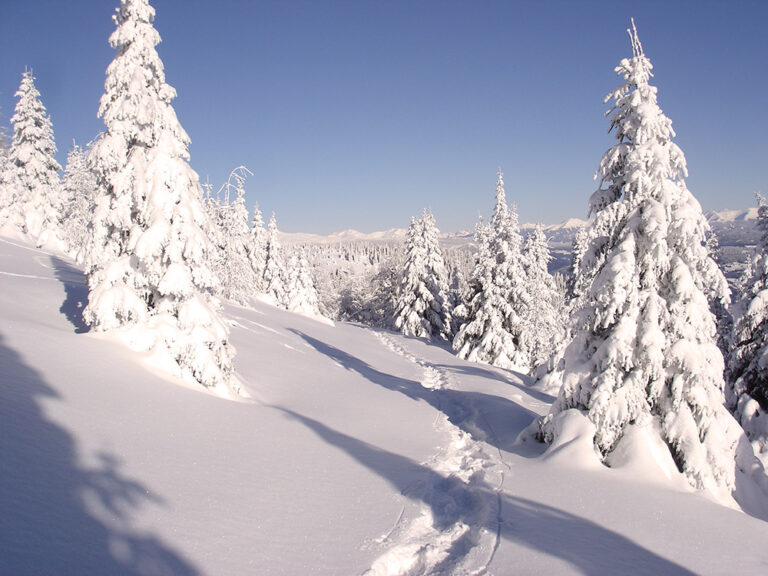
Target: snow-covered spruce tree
233	266
275	273
747	391
544	315
719	307
149	252
436	280
257	250
411	296
301	294
422	308
458	287
580	245
6	178
38	195
79	184
494	332
644	347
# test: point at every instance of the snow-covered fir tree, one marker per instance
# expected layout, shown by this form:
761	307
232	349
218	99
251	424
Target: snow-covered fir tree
275	272
494	332
80	186
6	178
436	279
544	314
747	391
301	294
148	258
257	249
580	245
233	265
457	288
37	194
644	351
720	307
422	308
371	298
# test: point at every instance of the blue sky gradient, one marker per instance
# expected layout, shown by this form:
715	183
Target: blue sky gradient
358	113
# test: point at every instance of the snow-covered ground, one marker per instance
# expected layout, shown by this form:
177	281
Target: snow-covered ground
356	452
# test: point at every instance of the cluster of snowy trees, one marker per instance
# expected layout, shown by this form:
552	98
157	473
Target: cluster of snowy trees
637	344
644	338
249	260
643	351
155	251
509	313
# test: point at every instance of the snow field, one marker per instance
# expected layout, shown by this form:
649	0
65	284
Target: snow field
354	451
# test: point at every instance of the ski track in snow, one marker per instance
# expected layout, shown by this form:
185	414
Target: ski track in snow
457	539
29	276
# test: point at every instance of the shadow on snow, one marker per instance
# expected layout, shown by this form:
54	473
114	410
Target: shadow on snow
473	412
59	516
584	544
76	292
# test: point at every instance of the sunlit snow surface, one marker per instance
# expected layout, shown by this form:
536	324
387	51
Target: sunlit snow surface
354	451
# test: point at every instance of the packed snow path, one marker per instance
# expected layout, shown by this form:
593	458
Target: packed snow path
357	452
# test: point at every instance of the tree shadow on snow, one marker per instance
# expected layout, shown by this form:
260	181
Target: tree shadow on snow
59	516
76	291
589	547
492	419
492	375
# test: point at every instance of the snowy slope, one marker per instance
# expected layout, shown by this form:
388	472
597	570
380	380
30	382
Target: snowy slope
357	452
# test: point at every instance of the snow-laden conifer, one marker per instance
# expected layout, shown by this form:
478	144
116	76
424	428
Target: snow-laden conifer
544	315
580	245
747	391
233	265
79	184
275	272
257	249
37	198
494	331
301	293
7	177
436	279
644	349
149	255
422	307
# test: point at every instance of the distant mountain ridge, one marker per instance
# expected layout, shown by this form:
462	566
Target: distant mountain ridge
732	215
557	233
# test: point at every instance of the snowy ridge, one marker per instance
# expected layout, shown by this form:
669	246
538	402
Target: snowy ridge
398	234
567	226
723	216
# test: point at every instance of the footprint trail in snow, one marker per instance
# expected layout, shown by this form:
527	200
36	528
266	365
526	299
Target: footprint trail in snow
456	530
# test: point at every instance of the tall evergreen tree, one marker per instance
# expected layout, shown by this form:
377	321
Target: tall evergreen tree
275	272
645	349
747	391
580	246
436	280
422	307
301	293
37	197
233	266
150	251
80	186
544	315
494	332
257	249
7	190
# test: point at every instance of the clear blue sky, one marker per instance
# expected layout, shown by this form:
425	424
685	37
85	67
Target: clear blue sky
358	114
